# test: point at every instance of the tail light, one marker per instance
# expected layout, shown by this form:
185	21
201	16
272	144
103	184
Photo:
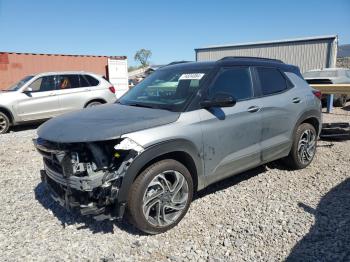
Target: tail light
317	93
112	89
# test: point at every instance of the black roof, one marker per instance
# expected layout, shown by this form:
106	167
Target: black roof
234	61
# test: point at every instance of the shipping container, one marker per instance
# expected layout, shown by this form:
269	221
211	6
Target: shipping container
307	53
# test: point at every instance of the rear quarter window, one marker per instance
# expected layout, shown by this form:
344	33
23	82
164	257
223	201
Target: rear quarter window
271	80
91	80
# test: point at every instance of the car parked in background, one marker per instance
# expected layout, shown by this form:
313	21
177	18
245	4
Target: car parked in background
330	76
184	127
45	95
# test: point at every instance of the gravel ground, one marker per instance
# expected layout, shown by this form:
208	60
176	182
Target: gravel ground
265	214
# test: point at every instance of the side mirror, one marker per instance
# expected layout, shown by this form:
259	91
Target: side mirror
28	90
219	100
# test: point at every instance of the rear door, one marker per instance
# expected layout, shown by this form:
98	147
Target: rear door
281	106
41	102
231	135
73	92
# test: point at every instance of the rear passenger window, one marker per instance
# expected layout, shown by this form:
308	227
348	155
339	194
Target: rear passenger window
91	80
68	81
233	81
271	80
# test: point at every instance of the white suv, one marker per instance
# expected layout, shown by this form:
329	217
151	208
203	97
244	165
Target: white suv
46	95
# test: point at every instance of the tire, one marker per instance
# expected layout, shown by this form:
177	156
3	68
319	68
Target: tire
142	207
340	101
93	103
4	123
303	149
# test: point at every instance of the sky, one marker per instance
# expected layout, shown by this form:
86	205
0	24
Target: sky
170	29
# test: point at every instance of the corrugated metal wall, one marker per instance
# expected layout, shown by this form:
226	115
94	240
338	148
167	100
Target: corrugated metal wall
308	54
14	66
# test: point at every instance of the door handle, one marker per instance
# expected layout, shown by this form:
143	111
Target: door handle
253	109
296	100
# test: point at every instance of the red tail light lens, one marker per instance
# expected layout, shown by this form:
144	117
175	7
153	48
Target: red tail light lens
112	89
317	93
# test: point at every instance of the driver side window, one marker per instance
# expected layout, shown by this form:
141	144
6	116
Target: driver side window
42	84
235	81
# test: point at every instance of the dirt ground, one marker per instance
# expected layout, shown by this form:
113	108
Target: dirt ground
266	214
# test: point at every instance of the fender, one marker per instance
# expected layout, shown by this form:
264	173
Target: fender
155	151
310	114
7	110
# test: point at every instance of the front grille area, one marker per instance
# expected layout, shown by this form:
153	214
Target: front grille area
81	190
53	165
75	198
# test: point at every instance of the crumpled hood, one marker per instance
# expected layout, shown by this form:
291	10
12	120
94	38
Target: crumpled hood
103	122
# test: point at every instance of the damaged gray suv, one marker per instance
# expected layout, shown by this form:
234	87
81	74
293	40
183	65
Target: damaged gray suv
183	128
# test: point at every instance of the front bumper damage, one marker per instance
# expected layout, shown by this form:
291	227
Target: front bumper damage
87	176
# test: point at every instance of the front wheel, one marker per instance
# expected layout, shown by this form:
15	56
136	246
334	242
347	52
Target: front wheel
160	196
4	123
303	148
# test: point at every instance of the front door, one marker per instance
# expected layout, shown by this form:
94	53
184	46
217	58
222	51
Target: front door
41	102
231	135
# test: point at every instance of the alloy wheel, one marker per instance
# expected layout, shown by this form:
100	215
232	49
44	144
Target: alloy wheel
307	146
165	198
92	104
3	124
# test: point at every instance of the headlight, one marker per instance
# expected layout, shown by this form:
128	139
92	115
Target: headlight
128	144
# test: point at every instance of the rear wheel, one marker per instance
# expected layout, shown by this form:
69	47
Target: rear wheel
94	103
160	196
4	123
303	148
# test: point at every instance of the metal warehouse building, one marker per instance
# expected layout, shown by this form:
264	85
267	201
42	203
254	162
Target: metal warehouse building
15	66
307	53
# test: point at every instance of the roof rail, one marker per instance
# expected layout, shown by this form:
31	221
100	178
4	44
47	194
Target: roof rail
178	62
250	57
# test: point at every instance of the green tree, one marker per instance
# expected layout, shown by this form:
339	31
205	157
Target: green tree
143	56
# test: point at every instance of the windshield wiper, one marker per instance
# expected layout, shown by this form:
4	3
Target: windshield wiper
153	106
140	105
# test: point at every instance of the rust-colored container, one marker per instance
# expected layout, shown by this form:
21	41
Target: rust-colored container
15	66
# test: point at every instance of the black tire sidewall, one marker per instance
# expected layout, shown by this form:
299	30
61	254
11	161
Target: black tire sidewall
139	187
7	120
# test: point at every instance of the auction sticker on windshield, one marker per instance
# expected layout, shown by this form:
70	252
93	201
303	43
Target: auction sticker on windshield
193	76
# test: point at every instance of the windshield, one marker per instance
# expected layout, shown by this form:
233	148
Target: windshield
169	89
19	84
316	74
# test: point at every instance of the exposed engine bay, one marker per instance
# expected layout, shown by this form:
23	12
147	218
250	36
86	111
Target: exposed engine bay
87	176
